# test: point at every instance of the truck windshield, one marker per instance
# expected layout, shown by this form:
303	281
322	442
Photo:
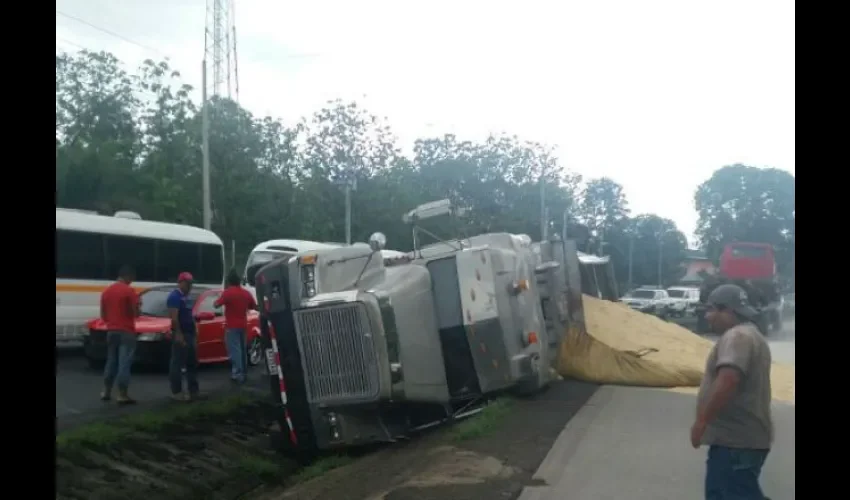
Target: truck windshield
748	252
676	294
643	294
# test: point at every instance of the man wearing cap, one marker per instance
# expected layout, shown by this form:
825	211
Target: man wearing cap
237	302
733	405
184	342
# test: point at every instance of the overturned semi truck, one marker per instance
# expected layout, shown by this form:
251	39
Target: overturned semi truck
362	349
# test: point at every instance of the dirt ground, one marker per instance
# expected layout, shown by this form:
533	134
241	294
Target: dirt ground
492	465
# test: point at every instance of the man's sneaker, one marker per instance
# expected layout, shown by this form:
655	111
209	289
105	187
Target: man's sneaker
181	397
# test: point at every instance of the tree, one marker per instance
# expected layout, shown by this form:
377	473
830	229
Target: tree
742	203
603	208
97	137
653	239
133	141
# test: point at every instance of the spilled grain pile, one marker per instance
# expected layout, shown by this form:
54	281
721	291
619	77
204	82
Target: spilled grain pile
631	348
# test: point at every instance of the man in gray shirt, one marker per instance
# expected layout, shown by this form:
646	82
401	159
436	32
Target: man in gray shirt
733	408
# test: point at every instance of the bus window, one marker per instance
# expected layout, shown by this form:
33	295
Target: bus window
140	253
174	257
212	264
79	255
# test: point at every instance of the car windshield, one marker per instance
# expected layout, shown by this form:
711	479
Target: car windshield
642	294
676	294
154	302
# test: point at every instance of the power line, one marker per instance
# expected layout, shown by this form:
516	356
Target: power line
110	33
69	42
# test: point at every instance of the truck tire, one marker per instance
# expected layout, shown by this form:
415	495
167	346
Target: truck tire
764	325
777	321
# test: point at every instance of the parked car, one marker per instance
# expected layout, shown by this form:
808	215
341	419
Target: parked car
682	301
648	300
153	328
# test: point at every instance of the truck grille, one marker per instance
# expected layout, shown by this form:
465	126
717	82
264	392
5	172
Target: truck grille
338	353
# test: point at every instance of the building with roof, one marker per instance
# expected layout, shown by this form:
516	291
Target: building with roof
696	264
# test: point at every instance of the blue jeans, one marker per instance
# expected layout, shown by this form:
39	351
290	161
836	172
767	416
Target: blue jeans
184	356
234	338
733	473
120	350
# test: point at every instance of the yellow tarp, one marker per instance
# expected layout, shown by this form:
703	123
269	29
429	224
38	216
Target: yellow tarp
627	347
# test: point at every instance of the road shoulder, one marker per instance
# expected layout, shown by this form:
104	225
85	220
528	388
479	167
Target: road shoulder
633	443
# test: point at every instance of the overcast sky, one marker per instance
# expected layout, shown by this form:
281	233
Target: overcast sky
655	94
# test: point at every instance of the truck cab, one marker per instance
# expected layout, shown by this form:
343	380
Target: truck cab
748	261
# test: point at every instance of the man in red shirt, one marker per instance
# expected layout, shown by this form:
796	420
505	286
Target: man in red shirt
237	302
119	307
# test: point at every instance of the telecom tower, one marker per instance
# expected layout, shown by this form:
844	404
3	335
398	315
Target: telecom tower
220	49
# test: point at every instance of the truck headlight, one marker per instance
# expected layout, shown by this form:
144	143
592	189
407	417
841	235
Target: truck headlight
308	273
308	280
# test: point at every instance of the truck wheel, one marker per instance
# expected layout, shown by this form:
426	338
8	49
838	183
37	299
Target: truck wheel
764	326
702	326
777	322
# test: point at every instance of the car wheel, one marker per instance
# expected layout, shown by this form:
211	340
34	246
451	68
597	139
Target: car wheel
255	352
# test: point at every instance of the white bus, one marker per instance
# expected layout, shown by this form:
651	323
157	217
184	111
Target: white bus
90	248
268	251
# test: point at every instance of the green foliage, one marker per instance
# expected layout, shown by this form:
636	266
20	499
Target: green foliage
133	141
489	420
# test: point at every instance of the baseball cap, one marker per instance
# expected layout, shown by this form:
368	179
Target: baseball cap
185	276
732	297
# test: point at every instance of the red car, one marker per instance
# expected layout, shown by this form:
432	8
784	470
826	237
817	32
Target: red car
153	328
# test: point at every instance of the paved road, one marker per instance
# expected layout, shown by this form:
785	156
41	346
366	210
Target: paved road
634	443
78	388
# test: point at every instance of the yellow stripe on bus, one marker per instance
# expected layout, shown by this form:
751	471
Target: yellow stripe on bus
65	287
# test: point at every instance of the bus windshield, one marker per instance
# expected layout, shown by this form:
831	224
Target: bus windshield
265	256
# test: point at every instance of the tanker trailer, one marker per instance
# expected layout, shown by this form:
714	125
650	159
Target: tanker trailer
363	350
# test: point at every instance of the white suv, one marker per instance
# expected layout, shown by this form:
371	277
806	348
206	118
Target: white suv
648	300
683	300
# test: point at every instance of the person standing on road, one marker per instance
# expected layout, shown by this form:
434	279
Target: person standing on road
184	341
119	307
237	302
733	408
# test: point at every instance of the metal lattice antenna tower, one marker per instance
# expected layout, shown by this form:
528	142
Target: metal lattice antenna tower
220	49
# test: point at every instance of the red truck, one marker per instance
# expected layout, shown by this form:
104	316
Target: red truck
753	267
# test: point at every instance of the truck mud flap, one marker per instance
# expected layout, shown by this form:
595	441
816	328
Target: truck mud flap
285	376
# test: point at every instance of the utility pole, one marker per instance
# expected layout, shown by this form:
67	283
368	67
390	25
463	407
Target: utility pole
347	213
631	252
564	229
205	134
349	183
544	233
660	256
